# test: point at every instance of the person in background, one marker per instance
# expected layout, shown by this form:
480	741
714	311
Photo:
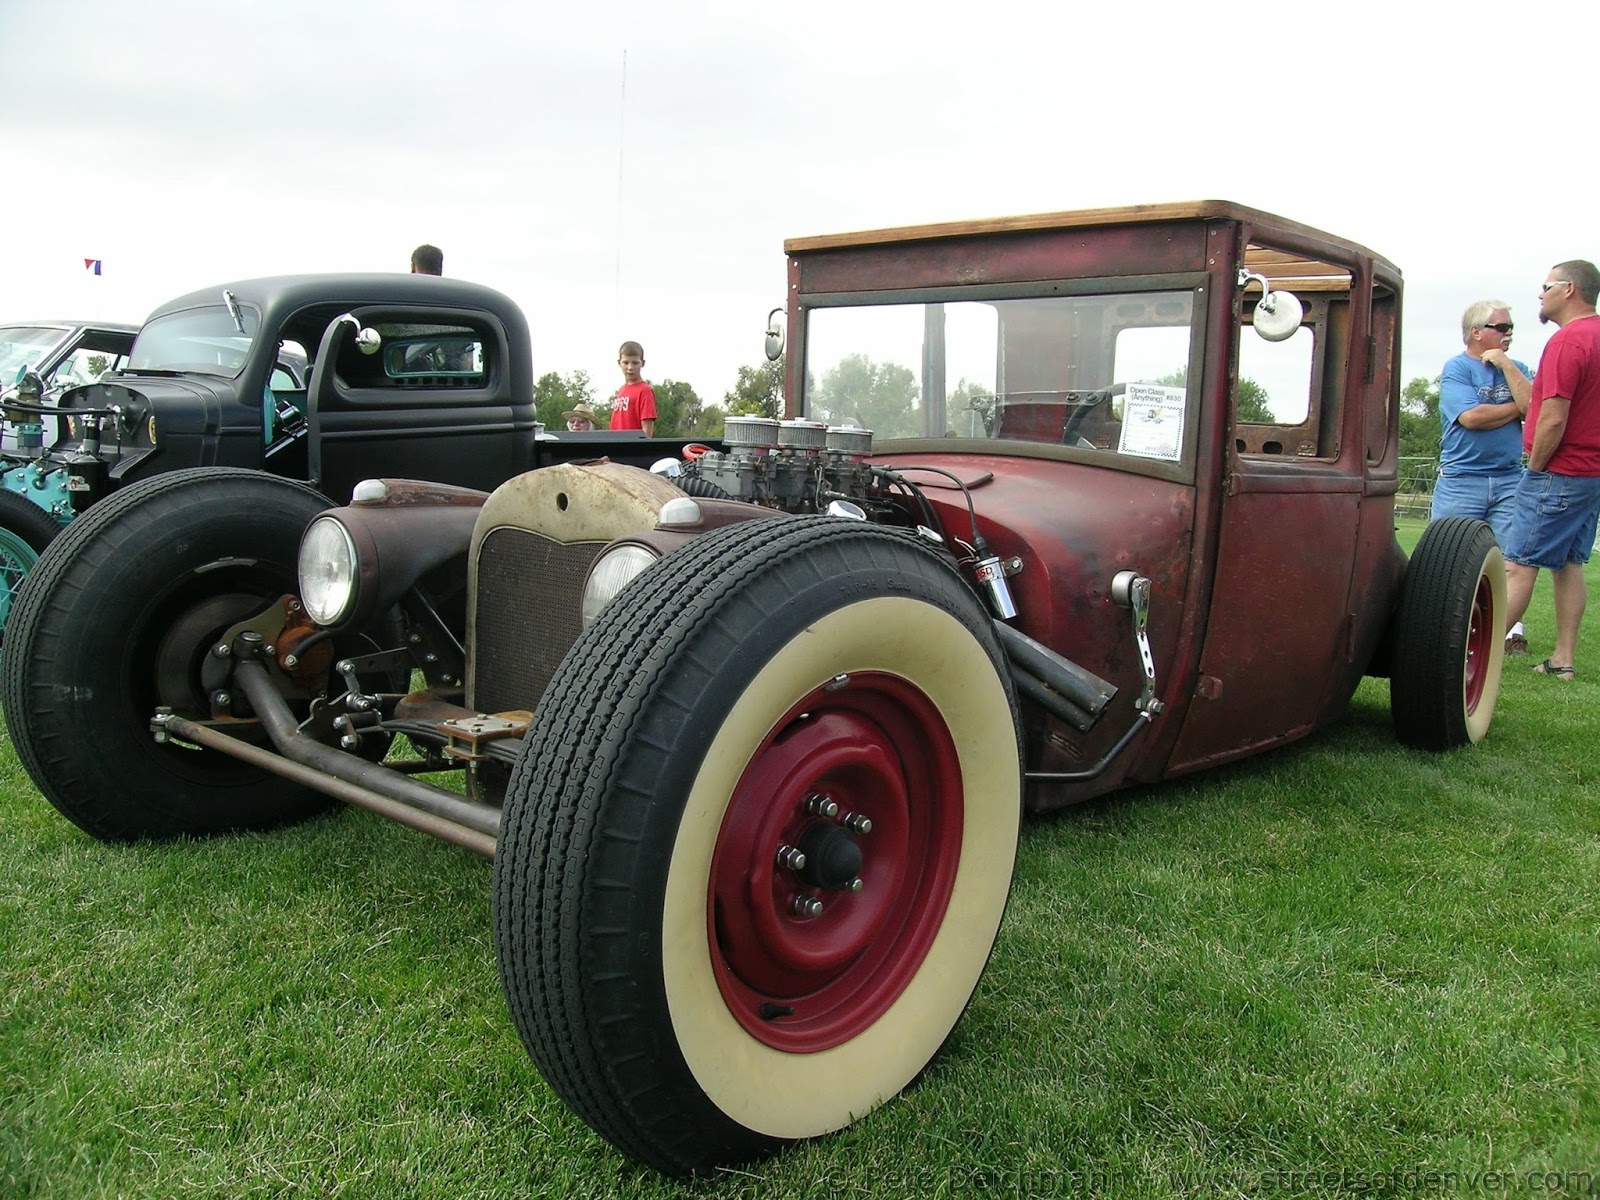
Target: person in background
634	405
427	260
1483	395
1558	500
580	419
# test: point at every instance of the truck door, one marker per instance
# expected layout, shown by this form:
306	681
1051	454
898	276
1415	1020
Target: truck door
433	400
1279	626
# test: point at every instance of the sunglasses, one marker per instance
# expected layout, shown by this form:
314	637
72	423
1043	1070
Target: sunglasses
1553	283
1500	327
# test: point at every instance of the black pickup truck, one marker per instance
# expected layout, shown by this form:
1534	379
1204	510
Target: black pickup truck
327	379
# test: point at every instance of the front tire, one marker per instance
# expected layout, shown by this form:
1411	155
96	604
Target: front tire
115	621
646	929
25	531
1448	637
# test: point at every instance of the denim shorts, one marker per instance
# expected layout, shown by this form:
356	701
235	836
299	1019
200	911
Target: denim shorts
1490	498
1555	520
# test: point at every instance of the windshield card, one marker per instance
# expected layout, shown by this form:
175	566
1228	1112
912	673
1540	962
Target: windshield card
1152	421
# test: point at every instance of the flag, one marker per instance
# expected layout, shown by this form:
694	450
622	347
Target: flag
92	265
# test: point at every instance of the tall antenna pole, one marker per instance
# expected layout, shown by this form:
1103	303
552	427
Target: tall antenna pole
622	131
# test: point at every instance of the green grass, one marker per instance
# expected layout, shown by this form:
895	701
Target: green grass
1341	958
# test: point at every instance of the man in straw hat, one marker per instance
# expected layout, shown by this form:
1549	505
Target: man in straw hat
581	419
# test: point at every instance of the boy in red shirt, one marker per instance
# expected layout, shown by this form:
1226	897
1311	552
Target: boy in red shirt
634	405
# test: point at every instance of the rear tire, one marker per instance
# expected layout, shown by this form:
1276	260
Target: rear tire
645	930
93	648
1448	637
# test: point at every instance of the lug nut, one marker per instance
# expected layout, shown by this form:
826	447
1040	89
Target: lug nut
821	806
806	906
791	859
856	822
855	885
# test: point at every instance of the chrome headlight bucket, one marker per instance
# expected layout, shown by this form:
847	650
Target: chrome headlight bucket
329	570
611	572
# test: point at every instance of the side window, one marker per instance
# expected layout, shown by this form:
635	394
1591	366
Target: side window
424	357
1288	400
1275	378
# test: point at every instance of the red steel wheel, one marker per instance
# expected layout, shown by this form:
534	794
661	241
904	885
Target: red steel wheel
862	785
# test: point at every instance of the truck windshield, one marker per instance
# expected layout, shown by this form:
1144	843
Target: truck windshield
1105	372
205	341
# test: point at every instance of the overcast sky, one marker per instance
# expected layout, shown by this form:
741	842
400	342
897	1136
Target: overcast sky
189	142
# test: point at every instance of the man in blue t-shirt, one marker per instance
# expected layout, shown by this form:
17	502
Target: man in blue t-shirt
1483	395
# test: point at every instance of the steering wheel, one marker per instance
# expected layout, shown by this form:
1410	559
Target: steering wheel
1084	403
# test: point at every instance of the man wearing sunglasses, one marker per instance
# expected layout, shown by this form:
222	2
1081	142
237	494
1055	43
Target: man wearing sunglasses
1483	395
1558	500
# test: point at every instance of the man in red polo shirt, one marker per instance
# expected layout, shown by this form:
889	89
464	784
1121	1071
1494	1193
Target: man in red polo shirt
1558	500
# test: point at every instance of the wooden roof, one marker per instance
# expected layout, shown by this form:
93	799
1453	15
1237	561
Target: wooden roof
1281	268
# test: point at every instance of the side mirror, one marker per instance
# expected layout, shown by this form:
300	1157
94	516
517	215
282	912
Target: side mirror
775	335
1277	314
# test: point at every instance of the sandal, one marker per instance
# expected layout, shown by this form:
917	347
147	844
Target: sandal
1549	668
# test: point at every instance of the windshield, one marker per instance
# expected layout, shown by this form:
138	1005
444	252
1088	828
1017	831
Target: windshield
203	340
25	346
1101	372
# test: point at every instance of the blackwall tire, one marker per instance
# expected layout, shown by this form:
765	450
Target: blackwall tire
79	680
1448	637
652	959
25	531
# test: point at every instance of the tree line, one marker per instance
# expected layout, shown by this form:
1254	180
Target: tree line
680	411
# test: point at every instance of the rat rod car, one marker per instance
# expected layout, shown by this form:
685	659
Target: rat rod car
749	739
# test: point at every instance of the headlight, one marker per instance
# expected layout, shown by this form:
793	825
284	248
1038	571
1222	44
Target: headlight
612	572
327	571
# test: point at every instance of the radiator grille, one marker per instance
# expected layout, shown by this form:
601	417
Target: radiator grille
528	614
